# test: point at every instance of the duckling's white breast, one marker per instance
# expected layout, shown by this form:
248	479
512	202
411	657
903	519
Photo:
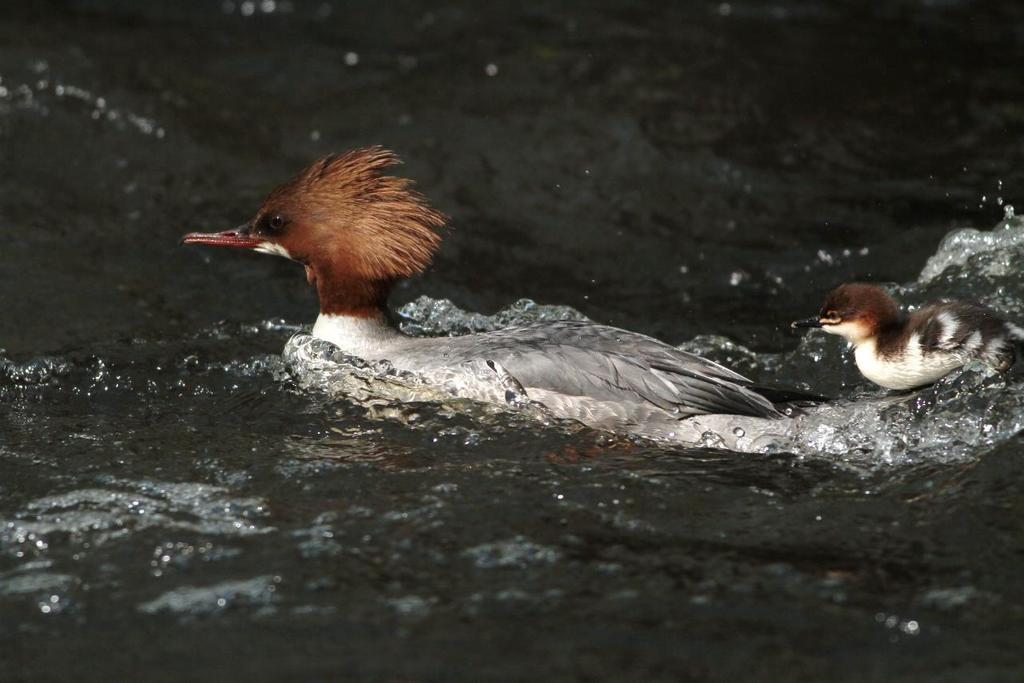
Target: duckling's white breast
907	369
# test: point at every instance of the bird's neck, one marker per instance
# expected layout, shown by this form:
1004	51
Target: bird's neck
354	313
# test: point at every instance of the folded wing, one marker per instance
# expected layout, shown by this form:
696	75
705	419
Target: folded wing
608	364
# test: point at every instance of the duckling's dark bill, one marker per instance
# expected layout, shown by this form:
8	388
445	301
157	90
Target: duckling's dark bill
806	322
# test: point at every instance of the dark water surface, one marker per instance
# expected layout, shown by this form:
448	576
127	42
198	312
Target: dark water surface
175	505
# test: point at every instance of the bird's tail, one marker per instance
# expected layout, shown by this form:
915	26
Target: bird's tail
790	401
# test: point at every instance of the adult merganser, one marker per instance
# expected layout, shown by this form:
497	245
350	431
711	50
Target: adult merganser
358	231
899	351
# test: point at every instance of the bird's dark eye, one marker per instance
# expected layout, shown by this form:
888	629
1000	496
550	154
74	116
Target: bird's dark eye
276	222
832	315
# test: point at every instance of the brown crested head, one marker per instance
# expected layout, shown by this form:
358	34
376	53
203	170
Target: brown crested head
344	212
856	311
356	229
858	301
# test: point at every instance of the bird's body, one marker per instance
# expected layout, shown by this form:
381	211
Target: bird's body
357	232
601	375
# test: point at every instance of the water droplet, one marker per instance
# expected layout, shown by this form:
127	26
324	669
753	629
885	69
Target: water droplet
351	58
491	69
739	432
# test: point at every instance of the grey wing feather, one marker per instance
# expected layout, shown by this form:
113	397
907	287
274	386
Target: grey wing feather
604	363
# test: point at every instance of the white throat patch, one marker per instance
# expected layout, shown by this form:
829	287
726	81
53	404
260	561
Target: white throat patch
273	250
853	332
